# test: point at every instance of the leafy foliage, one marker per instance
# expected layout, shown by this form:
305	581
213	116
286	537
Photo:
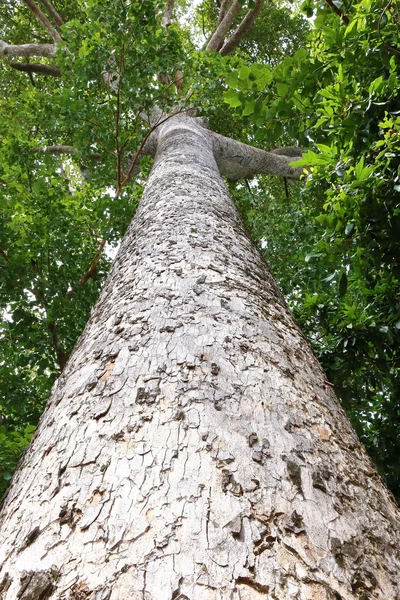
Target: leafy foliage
343	280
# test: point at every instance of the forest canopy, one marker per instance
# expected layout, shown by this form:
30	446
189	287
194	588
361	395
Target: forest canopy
323	76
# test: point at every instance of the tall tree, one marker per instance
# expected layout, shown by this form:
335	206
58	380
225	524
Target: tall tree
192	447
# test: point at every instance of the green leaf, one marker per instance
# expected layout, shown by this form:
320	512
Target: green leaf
232	98
248	108
282	88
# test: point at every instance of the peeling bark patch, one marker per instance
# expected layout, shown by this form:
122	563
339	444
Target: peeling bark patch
80	591
37	585
294	473
319	479
5	584
31	537
258	587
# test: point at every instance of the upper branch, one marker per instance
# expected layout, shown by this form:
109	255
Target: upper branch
248	20
237	160
35	10
52	12
47	50
167	18
222	10
217	38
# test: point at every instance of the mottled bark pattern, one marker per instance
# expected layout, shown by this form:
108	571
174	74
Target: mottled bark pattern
192	449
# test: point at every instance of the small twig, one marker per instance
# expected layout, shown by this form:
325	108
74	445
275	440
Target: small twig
91	270
337	10
58	347
4	254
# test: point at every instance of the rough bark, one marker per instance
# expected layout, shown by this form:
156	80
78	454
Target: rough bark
47	50
192	448
47	70
237	160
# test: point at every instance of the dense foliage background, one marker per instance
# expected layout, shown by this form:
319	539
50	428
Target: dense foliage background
329	83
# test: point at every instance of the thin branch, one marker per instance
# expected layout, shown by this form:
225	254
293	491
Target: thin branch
35	10
167	18
27	50
217	38
91	270
248	20
4	254
52	12
47	70
57	345
337	10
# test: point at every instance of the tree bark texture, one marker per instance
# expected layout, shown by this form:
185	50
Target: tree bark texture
192	448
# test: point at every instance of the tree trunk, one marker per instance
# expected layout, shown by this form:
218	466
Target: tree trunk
193	449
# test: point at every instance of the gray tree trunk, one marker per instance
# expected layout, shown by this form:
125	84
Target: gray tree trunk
192	448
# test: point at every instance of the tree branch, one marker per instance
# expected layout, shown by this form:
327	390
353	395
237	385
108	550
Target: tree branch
217	38
35	10
222	10
293	151
52	12
47	70
241	161
167	17
28	50
58	347
91	270
248	20
337	10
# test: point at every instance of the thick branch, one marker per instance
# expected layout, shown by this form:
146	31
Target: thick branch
235	39
217	38
237	160
35	10
47	70
52	12
167	18
27	50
